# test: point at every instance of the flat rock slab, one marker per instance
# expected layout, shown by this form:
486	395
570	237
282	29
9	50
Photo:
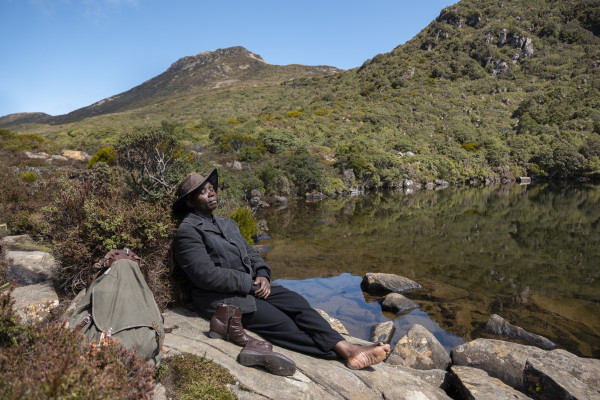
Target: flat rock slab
19	242
419	349
476	384
499	326
547	381
34	302
314	379
506	361
380	282
29	267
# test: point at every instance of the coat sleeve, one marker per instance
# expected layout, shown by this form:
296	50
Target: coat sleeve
259	266
191	256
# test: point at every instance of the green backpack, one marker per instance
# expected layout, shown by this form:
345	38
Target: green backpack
119	305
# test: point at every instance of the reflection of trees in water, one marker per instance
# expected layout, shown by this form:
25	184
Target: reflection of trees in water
490	242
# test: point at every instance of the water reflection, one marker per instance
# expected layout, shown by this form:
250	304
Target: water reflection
342	297
529	254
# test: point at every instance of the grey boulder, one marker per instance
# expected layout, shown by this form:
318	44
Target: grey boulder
419	349
506	361
499	326
380	282
545	380
382	332
397	303
476	384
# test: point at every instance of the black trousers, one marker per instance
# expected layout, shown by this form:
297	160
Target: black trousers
286	319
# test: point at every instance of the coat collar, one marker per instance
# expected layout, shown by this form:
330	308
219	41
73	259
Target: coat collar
195	219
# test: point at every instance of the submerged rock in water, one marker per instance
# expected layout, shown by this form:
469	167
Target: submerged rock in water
380	282
397	303
499	326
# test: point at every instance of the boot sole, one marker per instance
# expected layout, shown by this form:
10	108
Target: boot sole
215	335
277	364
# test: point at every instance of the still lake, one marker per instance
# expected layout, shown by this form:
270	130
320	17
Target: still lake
528	253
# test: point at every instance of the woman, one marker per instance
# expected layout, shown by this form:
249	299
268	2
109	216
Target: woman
228	276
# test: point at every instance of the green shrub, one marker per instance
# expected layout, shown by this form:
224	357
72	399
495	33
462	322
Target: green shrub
277	140
304	170
236	142
471	146
28	176
106	154
237	186
270	177
250	154
46	361
293	114
245	220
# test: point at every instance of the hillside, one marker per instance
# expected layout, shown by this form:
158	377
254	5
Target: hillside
233	67
488	90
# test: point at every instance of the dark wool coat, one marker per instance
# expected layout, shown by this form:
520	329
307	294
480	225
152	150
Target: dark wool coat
199	251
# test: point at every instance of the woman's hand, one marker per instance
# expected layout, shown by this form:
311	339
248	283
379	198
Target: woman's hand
265	287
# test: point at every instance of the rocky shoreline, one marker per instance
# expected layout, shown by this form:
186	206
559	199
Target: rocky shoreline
418	368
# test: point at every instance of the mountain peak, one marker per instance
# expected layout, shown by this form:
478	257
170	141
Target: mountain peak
237	52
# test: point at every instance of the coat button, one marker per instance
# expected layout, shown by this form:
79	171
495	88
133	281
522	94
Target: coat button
246	260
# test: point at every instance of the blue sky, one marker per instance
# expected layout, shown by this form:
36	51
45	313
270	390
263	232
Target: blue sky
60	55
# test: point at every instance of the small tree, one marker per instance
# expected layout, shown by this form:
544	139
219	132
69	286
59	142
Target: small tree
106	154
148	155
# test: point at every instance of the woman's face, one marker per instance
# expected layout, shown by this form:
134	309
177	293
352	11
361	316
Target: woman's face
204	201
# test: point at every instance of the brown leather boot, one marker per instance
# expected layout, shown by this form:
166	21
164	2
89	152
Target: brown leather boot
260	352
226	324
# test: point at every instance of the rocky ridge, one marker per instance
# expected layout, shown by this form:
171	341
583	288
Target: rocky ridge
194	75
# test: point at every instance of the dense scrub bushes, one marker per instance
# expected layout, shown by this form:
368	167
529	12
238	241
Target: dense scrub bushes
45	360
95	213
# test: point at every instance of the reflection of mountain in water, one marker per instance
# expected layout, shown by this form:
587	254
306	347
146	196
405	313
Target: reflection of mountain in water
527	253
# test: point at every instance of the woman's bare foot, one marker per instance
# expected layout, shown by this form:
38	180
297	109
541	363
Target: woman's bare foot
358	357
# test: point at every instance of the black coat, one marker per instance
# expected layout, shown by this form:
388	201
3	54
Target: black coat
199	252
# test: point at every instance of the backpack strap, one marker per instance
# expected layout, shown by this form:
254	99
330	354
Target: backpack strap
83	323
159	338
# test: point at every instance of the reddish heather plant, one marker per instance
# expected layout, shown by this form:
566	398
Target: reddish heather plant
49	361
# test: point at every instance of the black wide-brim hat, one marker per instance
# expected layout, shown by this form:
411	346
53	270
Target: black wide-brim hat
190	183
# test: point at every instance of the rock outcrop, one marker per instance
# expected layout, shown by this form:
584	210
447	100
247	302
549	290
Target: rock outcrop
314	379
499	326
382	332
419	349
379	282
506	361
474	383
